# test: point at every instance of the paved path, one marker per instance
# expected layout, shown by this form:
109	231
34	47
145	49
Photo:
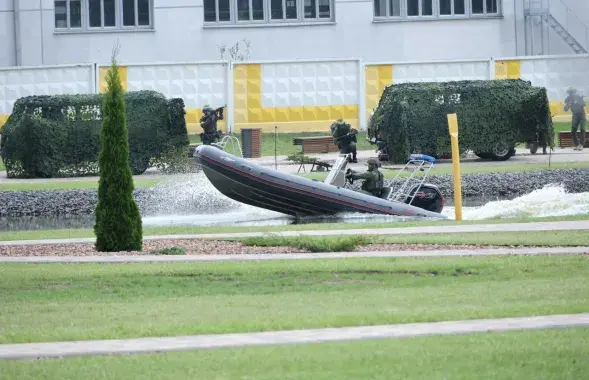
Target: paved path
200	342
503	227
298	256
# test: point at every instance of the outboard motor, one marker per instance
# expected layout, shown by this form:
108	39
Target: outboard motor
428	197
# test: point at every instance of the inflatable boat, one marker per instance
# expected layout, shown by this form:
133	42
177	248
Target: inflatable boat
260	186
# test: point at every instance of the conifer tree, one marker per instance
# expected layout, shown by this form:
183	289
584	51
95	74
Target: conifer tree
118	220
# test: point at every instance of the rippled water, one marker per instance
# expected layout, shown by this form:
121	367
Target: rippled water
202	205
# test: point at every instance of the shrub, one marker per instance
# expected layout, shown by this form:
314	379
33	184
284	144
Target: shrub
169	251
118	221
312	244
412	117
71	145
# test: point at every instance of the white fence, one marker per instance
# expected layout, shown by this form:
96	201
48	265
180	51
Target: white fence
296	96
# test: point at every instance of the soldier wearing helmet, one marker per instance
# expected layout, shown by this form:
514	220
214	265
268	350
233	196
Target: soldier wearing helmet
373	178
208	122
344	137
576	104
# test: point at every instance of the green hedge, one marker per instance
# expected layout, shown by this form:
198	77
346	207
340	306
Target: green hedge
59	136
412	117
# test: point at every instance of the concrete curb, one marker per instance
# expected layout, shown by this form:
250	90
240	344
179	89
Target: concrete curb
200	342
487	228
298	256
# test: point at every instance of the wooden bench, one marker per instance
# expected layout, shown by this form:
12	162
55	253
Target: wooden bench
565	139
317	144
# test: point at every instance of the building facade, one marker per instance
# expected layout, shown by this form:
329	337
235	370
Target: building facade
52	32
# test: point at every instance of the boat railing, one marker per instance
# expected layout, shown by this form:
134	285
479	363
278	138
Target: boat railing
402	187
233	141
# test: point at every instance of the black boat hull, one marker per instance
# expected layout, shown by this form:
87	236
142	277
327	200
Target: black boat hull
263	187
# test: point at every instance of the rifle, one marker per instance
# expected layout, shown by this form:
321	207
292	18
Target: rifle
217	110
351	133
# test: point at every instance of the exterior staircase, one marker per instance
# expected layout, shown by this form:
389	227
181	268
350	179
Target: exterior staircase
562	20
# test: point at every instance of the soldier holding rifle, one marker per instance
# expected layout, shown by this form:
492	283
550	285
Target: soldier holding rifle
208	122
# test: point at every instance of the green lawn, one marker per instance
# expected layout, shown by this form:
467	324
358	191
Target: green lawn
350	243
284	146
523	355
55	302
472	168
185	230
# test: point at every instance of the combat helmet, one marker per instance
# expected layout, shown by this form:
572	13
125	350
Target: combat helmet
571	90
207	108
372	162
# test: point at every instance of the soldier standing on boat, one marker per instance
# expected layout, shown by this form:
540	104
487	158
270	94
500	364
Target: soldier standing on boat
344	137
576	104
373	178
208	122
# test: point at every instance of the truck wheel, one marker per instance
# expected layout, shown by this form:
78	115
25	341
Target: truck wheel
502	152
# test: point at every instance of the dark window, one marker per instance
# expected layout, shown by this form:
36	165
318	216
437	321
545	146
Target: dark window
129	12
276	10
459	8
210	10
60	14
95	13
413	7
491	6
75	14
110	13
310	10
477	6
427	8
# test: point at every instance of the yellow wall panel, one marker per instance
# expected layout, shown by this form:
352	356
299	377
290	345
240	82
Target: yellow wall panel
249	112
296	114
3	119
281	114
377	78
508	69
102	78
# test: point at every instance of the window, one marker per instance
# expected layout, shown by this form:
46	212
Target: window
423	9
452	7
266	11
68	14
103	14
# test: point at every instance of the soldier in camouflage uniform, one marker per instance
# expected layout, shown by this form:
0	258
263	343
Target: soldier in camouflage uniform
344	137
373	178
576	104
208	122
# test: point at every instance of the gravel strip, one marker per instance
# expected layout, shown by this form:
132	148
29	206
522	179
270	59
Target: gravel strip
207	247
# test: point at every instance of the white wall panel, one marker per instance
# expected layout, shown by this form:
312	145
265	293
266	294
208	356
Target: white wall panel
197	84
309	84
557	74
21	82
440	71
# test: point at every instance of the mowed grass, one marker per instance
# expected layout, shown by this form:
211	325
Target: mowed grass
63	302
523	355
472	168
351	243
186	230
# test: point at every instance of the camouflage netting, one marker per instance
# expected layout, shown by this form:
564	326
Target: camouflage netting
412	117
59	136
